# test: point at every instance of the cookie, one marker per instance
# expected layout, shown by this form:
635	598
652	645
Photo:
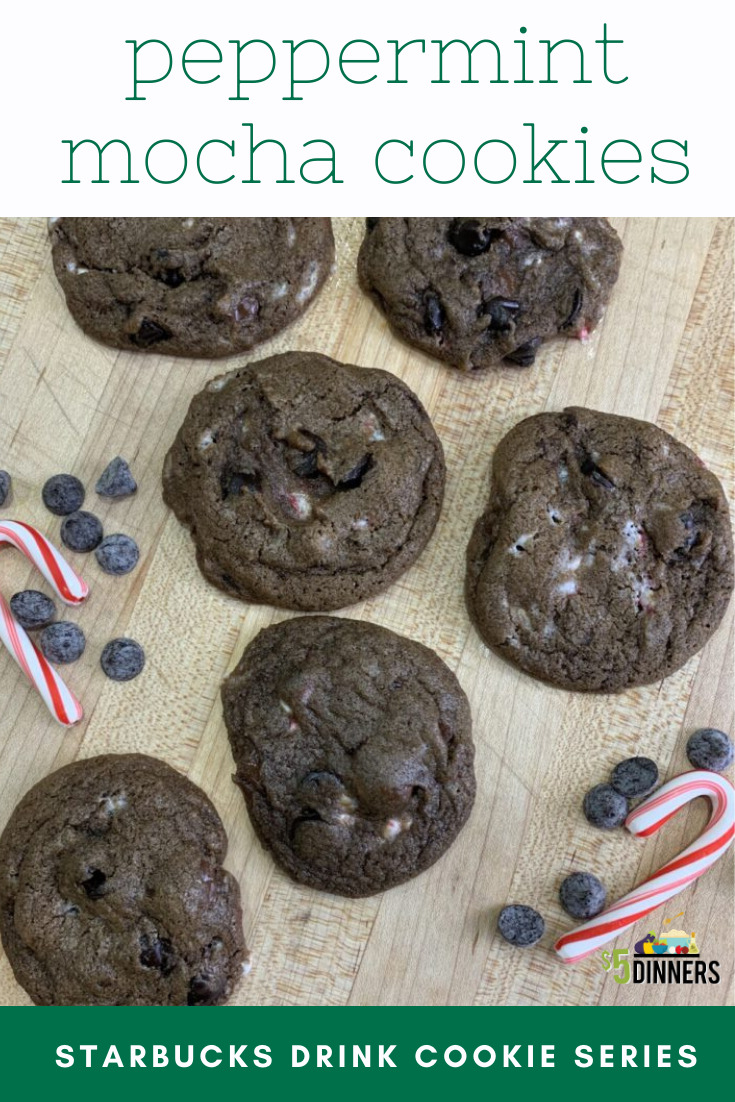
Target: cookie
189	286
476	291
353	750
306	483
604	557
112	890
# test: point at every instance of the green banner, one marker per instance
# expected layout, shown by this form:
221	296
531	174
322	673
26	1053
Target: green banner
364	1049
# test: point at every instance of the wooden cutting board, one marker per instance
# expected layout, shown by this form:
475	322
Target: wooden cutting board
664	353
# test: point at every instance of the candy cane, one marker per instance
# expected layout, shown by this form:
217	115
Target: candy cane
649	817
65	582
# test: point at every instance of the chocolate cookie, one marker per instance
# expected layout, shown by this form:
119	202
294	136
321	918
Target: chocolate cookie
353	749
604	558
475	291
112	890
306	483
189	286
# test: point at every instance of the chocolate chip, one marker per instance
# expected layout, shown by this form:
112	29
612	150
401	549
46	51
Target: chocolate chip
354	478
582	895
116	479
62	642
172	277
575	310
526	354
248	307
500	311
117	554
81	531
521	925
709	748
150	332
691	536
604	807
94	883
203	991
318	792
6	483
308	815
590	469
122	659
434	316
634	777
32	609
157	952
308	467
234	482
320	783
62	494
470	238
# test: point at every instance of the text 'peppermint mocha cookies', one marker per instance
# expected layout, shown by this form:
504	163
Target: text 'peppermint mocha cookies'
475	291
112	890
353	749
306	483
189	286
604	558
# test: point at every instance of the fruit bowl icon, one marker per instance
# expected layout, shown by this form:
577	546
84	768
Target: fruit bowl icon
660	947
677	942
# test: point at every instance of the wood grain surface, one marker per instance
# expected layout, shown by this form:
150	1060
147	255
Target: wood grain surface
664	352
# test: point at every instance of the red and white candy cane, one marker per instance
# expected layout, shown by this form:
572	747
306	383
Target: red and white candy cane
647	818
62	703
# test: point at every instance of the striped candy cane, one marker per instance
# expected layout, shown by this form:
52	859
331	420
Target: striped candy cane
649	817
65	582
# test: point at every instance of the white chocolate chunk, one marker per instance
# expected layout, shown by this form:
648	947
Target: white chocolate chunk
394	827
300	505
519	545
309	285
